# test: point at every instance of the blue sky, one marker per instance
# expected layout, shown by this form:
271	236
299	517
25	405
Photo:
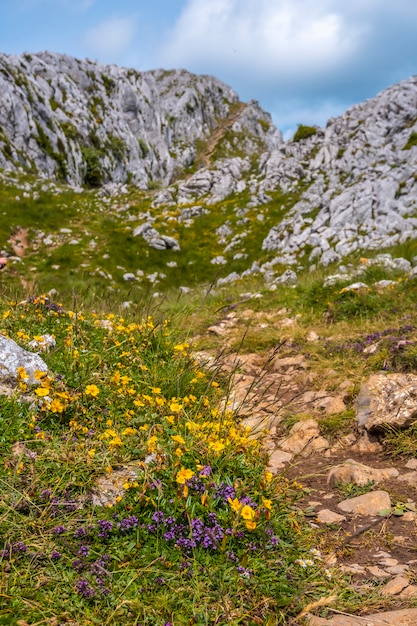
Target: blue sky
303	60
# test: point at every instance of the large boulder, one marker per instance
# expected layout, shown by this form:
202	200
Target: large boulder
386	401
12	356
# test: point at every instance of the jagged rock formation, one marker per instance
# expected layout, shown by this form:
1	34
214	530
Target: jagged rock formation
84	122
361	177
351	186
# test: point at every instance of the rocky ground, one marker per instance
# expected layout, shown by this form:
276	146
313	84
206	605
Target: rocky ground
359	500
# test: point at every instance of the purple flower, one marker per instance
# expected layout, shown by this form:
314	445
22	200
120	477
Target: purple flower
206	471
224	492
85	589
158	517
246	573
83	551
128	523
78	565
80	533
55	555
105	527
58	530
20	547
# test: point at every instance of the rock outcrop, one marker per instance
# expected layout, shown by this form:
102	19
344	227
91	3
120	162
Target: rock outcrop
87	123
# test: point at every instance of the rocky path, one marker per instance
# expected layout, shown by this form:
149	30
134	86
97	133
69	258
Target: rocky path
360	501
219	133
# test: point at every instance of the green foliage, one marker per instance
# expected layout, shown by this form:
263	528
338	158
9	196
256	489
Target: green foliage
334	426
304	132
54	104
108	83
45	144
351	490
195	508
69	130
94	174
411	142
117	146
143	147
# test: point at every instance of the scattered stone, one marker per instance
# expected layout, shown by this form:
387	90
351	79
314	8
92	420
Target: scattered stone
395	586
372	503
350	471
285	363
355	287
312	336
301	434
332	405
367	443
410	478
326	516
42	343
376	571
278	460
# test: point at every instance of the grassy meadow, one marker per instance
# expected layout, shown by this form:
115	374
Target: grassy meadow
131	494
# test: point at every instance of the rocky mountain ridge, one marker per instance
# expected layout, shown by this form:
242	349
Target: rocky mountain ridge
187	139
88	123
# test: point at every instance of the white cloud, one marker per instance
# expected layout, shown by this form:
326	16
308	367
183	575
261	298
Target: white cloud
110	38
274	38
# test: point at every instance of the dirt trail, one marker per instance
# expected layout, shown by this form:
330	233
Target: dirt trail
19	242
219	133
375	551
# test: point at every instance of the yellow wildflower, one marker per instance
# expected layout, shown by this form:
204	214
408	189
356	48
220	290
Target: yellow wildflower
235	504
217	446
129	431
250	525
91	452
92	390
41	392
175	407
56	406
116	441
267	503
22	374
247	513
183	475
178	439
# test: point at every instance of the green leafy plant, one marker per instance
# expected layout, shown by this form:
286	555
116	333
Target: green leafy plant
304	132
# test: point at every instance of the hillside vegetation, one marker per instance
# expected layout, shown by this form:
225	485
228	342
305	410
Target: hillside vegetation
153	227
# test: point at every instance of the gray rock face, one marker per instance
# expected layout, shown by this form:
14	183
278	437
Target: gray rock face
359	172
84	122
387	400
12	356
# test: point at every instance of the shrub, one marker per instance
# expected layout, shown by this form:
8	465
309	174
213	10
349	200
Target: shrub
303	132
